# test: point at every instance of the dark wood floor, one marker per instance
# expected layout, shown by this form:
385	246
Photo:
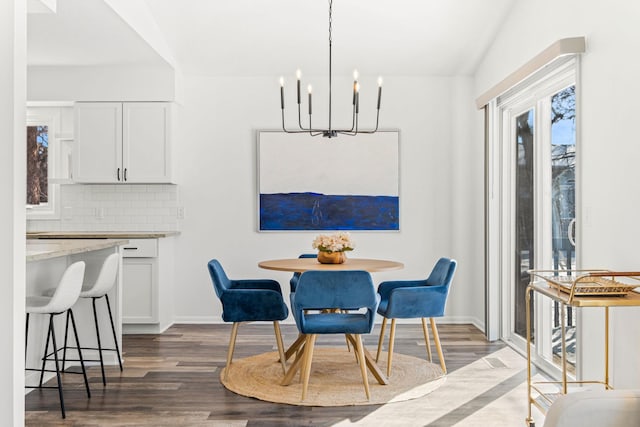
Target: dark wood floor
172	379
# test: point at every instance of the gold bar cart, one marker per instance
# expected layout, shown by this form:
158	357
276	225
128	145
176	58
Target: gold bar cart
576	288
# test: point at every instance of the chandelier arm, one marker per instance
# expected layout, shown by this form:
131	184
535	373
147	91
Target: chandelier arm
353	118
283	127
299	117
369	130
376	128
302	130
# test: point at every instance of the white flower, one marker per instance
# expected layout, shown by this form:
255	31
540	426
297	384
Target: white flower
338	242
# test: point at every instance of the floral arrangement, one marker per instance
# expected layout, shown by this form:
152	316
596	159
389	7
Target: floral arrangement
338	242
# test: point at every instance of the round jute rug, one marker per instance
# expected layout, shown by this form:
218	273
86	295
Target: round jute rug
335	379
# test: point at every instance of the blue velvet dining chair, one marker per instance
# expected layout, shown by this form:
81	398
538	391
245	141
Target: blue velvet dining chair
248	301
409	299
293	282
318	307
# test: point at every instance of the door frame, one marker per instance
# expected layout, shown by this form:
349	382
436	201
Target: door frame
500	200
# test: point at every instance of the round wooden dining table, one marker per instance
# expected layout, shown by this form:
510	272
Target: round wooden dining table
300	265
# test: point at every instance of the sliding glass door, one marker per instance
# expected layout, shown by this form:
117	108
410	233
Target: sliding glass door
537	206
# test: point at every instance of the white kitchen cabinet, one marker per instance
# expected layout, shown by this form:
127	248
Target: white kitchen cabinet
147	271
122	142
140	298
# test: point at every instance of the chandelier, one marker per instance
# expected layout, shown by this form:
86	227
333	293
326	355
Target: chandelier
330	132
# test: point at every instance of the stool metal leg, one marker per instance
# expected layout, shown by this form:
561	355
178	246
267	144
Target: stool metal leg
55	356
46	349
26	337
113	329
84	371
64	349
95	319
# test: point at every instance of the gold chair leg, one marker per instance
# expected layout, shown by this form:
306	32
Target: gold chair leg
306	367
392	337
283	361
363	365
381	339
345	337
436	338
425	331
232	346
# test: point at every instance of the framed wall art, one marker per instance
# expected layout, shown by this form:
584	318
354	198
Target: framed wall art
317	183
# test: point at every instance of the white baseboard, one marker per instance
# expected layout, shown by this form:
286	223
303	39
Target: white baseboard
289	321
144	328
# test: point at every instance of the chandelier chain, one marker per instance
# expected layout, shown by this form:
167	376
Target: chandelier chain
330	19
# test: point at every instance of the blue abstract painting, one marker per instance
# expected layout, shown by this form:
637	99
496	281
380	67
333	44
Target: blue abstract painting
315	183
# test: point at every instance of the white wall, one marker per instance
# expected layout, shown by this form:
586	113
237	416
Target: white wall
217	163
13	49
101	83
608	149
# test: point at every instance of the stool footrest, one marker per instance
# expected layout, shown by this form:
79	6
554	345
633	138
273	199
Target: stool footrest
88	348
53	370
41	386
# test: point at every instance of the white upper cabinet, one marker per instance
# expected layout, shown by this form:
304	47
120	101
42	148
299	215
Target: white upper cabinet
122	142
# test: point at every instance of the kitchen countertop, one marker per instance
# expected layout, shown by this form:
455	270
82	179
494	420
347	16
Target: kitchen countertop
100	234
37	250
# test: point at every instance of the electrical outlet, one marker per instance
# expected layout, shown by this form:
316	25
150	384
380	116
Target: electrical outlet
180	212
100	213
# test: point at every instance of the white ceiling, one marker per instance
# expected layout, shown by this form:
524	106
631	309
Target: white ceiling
84	32
260	37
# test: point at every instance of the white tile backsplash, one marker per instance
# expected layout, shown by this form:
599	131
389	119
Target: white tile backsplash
124	207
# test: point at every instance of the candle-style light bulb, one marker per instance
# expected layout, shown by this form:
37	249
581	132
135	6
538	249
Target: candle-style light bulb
281	92
355	83
298	75
310	90
380	81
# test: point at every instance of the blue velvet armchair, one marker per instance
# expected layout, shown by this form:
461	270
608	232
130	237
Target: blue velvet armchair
248	301
318	307
422	299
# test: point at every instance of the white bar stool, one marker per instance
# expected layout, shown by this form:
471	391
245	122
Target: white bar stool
103	284
64	297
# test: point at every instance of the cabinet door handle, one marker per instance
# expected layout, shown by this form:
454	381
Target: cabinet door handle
131	249
125	174
118	174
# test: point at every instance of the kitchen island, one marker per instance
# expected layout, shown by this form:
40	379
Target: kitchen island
46	261
148	274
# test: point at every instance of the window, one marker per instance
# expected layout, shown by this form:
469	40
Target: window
37	165
41	193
